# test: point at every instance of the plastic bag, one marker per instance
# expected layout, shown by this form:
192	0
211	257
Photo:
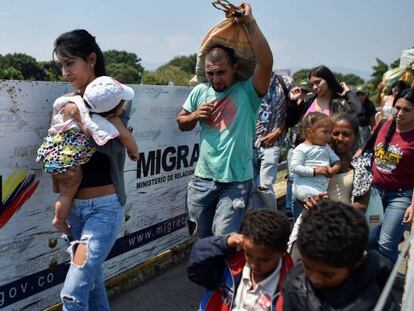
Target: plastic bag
407	59
375	211
404	74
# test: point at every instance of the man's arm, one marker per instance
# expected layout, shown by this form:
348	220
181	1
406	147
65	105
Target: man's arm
263	70
188	120
273	136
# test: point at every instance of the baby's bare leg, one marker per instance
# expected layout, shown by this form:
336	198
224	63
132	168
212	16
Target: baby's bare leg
55	184
68	188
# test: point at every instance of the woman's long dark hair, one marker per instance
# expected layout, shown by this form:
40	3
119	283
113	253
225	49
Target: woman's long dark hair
80	43
326	74
407	94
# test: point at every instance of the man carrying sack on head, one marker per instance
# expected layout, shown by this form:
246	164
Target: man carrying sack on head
226	109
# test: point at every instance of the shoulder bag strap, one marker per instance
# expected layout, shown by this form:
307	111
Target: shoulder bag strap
373	137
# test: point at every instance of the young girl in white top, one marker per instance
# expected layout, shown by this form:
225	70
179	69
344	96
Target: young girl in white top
313	161
68	144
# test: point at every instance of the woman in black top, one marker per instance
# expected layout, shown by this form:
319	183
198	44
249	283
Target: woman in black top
96	215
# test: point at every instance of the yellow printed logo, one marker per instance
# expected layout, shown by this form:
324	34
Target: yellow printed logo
387	160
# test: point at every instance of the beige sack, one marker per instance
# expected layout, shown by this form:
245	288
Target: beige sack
232	34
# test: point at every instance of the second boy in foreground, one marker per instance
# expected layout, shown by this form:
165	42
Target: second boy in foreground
336	272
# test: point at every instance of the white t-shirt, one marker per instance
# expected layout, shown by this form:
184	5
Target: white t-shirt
261	296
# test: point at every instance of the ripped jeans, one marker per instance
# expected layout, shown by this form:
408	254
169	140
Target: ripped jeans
265	163
214	207
95	224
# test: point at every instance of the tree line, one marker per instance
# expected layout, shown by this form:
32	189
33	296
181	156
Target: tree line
122	65
127	68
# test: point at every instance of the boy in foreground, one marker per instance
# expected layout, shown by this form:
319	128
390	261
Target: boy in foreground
336	272
243	271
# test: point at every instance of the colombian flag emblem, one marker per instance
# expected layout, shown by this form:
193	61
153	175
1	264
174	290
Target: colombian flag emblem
16	189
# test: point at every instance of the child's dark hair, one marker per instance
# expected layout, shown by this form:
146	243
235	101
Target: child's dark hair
266	227
350	118
80	43
314	120
326	74
407	94
334	233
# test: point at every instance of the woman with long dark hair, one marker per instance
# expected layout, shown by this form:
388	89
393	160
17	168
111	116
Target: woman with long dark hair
330	96
393	173
96	215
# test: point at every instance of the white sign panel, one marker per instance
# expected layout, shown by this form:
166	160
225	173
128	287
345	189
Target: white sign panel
33	260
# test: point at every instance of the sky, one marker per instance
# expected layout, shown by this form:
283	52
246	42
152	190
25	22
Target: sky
302	34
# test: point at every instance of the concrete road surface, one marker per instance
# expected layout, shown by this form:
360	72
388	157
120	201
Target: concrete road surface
169	291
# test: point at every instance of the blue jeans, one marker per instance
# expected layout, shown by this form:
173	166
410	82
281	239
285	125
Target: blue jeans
297	209
390	233
265	163
214	207
94	223
290	200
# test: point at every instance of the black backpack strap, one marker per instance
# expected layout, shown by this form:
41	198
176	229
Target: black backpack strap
369	146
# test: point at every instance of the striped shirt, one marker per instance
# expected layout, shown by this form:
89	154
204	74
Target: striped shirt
272	112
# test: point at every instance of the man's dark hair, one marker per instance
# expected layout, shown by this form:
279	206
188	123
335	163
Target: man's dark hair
334	233
212	54
266	227
80	43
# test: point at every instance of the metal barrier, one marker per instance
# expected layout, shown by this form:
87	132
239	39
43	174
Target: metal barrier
408	300
408	297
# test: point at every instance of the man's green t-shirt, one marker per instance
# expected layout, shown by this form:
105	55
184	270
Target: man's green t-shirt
226	139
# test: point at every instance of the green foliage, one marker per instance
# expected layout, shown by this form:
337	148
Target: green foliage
185	63
25	64
178	71
371	89
123	73
349	78
51	70
123	66
10	73
165	75
395	64
378	71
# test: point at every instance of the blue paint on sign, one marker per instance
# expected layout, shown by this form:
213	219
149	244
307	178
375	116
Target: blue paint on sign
35	283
